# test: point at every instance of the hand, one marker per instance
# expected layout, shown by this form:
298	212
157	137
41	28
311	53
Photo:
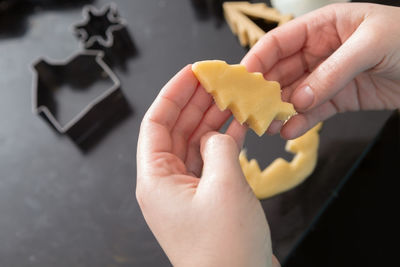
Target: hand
343	57
212	221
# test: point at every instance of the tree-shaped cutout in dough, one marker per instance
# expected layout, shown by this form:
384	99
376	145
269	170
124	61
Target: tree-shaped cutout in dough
280	175
238	16
250	97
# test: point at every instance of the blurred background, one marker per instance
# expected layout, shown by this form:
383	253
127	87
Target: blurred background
67	201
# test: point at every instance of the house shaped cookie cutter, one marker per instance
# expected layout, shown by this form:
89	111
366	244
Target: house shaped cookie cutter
84	68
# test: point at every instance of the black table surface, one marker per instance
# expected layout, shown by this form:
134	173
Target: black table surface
64	206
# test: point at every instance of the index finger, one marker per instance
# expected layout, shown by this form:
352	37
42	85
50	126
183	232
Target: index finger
277	44
155	132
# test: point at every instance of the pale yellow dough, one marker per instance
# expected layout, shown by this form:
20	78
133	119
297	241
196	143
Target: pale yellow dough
281	175
237	16
250	97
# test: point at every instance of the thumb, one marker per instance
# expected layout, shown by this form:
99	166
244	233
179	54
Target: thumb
351	58
220	154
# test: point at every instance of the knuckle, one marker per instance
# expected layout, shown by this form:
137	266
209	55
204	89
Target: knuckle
373	35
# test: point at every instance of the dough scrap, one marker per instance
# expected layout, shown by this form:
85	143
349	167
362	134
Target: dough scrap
237	16
280	175
250	97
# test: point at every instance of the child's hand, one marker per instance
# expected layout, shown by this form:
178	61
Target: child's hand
343	57
212	221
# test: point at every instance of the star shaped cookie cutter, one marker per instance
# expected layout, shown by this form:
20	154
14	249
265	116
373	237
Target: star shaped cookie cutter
99	26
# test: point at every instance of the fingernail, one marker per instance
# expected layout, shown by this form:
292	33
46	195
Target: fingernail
303	98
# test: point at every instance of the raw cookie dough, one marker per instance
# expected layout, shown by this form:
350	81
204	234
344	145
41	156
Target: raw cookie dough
250	97
237	16
281	175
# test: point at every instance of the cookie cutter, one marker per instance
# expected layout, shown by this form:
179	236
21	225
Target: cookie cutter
99	25
80	71
104	29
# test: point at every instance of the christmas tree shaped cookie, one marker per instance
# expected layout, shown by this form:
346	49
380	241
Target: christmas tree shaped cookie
281	175
250	97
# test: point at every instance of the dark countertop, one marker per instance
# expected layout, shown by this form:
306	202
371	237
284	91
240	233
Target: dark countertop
356	228
64	206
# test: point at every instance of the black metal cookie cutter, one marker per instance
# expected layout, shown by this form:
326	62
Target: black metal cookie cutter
83	71
99	26
104	29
